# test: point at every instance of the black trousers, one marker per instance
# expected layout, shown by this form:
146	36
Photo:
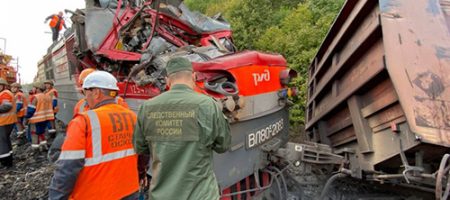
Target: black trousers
5	145
55	32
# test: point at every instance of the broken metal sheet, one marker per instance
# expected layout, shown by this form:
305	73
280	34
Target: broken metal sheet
154	71
111	3
198	54
157	46
98	23
201	23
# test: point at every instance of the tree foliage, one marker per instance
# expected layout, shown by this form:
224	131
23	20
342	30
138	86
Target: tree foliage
293	28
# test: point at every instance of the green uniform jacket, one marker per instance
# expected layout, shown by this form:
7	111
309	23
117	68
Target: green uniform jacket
181	128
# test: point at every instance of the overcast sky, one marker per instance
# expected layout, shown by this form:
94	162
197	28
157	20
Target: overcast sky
27	37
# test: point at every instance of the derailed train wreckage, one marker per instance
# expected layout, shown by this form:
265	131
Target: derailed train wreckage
133	41
358	99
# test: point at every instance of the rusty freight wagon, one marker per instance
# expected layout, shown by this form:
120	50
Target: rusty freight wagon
379	92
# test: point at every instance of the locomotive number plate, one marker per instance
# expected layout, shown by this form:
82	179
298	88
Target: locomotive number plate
259	136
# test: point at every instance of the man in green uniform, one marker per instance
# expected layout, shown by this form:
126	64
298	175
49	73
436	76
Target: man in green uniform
181	129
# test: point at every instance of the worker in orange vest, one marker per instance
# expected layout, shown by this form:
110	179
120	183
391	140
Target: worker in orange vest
21	107
27	125
56	24
53	93
97	159
7	119
82	105
39	112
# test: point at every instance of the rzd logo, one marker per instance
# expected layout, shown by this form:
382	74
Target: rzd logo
260	77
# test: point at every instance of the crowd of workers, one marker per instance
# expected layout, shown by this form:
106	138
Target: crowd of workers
31	116
108	149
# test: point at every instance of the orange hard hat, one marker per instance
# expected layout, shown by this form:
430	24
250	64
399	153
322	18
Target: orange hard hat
84	74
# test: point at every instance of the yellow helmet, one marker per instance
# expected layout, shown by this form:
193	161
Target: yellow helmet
3	82
84	74
48	82
39	85
17	85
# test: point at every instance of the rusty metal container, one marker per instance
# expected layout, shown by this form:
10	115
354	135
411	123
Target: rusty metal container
379	86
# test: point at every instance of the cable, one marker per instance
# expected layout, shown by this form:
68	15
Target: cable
280	195
279	172
329	182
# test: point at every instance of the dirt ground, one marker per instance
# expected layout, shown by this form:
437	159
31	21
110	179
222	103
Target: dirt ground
30	176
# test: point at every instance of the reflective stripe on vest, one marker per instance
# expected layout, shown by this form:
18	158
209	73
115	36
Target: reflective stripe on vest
109	157
72	155
97	156
43	109
82	106
96	134
6	114
6	102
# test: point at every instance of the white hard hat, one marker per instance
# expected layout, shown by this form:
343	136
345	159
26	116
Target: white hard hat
100	79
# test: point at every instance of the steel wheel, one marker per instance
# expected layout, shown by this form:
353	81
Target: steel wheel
443	177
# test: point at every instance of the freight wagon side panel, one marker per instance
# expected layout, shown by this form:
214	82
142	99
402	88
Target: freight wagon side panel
62	66
379	84
418	56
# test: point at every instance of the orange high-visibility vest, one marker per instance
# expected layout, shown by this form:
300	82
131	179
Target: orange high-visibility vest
20	97
82	105
30	98
53	93
103	138
10	117
43	105
54	21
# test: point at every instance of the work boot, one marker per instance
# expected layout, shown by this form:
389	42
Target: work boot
21	141
34	149
19	138
20	133
43	146
52	133
7	162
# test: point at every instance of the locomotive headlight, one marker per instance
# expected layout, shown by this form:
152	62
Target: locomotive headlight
286	76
